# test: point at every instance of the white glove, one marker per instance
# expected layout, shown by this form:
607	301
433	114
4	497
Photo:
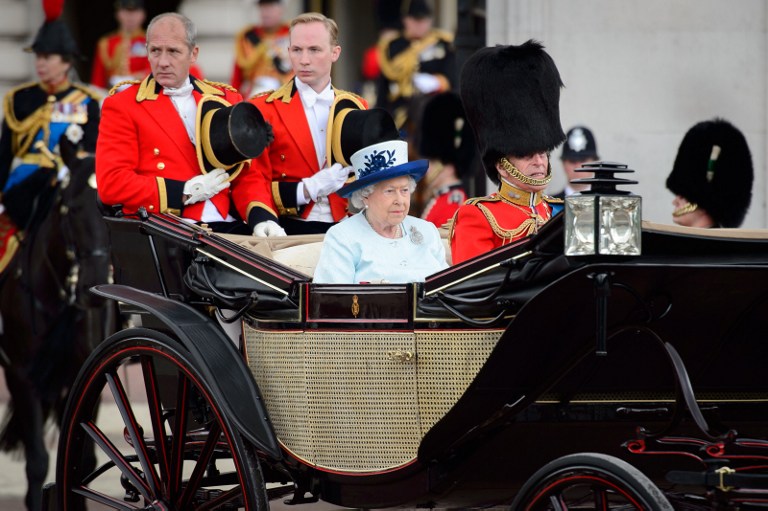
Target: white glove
426	83
268	229
326	181
203	187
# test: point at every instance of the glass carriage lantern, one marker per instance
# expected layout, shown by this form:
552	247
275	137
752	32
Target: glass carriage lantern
603	220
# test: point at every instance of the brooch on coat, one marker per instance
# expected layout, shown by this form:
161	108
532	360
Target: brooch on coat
416	237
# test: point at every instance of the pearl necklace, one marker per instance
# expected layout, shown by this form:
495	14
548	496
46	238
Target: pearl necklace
397	233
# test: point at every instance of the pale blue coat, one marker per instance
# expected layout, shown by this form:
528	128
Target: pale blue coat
354	253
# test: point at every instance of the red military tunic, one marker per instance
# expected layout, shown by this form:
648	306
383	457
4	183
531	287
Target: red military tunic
144	154
444	204
261	54
120	57
290	157
485	223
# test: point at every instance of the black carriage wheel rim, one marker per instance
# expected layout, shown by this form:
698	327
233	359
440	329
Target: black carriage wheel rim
599	485
154	492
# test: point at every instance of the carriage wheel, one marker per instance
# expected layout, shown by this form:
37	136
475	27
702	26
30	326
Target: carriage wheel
162	442
589	481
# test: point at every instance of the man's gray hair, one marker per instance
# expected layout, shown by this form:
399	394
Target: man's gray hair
189	27
356	199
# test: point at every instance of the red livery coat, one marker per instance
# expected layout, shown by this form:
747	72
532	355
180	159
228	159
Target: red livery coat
290	157
485	223
144	154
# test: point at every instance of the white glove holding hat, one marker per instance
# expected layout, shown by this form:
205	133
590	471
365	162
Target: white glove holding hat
203	187
326	181
268	229
426	83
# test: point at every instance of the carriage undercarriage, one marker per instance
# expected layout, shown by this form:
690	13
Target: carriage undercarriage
474	389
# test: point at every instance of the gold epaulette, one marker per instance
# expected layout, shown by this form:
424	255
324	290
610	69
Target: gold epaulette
87	90
552	200
221	84
284	93
444	35
262	93
115	89
477	200
339	92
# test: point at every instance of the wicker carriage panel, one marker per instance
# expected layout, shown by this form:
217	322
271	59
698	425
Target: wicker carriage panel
448	362
338	400
276	360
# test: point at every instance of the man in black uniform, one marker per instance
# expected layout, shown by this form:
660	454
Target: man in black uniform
415	63
36	116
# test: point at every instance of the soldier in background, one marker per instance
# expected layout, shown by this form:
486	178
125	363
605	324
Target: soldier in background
579	148
261	52
712	176
36	116
418	61
447	141
122	54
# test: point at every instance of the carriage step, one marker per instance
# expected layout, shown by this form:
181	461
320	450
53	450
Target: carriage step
49	497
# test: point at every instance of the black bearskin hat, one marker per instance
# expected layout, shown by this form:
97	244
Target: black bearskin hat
511	95
418	9
445	133
721	184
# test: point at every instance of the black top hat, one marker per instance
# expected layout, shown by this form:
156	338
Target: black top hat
227	135
417	9
370	142
719	181
445	133
343	102
54	37
263	2
579	145
129	5
511	95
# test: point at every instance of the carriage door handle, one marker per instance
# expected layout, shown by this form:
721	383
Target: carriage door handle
401	356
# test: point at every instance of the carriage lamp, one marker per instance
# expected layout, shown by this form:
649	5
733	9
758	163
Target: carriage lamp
603	220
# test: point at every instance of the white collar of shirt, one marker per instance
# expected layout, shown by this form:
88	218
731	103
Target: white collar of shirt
309	96
183	91
185	104
317	107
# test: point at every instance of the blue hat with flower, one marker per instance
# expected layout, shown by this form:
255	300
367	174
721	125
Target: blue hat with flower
370	142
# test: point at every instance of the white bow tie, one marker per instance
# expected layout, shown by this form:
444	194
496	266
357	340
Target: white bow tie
183	91
312	97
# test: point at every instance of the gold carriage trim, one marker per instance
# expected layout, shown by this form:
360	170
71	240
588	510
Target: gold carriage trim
325	391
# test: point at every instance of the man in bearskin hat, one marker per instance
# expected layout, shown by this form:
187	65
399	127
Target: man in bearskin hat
511	95
35	116
446	140
418	61
154	151
261	52
712	176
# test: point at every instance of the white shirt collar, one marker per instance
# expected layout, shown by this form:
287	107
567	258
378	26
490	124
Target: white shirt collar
309	97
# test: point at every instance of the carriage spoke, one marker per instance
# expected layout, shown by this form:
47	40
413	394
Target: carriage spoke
224	498
178	437
558	503
601	499
117	458
200	466
156	416
133	428
104	499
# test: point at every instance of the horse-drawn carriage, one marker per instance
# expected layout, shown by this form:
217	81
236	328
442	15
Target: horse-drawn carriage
523	377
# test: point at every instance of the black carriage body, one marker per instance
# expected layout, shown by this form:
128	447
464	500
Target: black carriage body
453	392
